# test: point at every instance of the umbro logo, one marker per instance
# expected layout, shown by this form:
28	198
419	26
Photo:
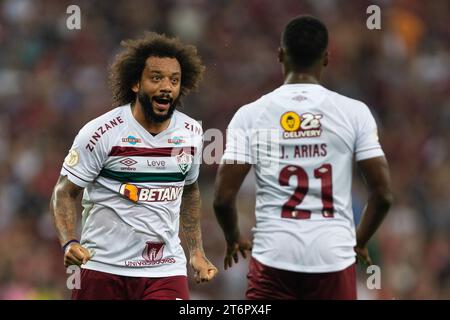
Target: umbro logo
128	162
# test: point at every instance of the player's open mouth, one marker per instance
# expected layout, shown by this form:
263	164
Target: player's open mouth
162	103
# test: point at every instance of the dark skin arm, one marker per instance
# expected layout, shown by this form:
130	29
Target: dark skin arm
228	182
63	208
230	177
190	216
375	172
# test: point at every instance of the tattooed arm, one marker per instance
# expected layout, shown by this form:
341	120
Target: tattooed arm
63	209
190	216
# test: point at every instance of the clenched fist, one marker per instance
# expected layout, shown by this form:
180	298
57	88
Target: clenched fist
76	254
204	270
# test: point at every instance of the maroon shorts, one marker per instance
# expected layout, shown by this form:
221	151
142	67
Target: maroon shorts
267	283
97	285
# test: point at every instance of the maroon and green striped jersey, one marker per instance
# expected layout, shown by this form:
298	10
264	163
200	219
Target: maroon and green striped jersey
133	184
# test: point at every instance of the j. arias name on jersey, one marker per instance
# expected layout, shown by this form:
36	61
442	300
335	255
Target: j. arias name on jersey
135	193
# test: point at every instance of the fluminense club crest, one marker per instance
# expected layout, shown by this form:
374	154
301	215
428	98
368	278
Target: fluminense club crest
184	161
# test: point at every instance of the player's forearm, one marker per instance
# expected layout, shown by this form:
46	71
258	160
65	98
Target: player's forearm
228	182
373	214
190	216
226	213
63	209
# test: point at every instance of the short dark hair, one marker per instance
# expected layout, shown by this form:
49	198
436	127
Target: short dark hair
128	66
305	39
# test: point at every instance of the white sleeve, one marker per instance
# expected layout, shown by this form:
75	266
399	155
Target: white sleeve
84	160
238	147
194	171
366	144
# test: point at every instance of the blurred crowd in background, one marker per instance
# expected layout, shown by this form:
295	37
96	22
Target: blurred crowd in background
54	80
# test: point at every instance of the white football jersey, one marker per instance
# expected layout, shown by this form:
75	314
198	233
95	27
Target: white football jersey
133	188
301	140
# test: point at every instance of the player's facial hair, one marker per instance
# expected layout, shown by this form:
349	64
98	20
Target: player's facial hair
149	113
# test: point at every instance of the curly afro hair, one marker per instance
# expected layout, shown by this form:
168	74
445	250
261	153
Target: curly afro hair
128	66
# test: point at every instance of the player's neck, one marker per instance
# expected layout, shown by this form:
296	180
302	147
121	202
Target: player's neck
151	126
298	77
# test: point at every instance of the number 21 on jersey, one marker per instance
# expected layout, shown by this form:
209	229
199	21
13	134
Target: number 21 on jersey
324	173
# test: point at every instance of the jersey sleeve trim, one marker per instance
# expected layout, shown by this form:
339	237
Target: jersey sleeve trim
369	153
234	157
74	177
189	182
